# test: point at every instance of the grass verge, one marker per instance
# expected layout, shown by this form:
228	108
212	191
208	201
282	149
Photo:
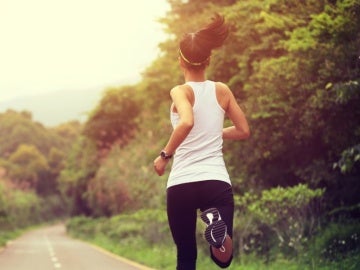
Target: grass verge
144	237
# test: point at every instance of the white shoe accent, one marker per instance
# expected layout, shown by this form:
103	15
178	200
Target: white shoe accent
212	236
210	216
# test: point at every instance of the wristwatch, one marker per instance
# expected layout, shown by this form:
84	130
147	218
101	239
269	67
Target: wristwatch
164	155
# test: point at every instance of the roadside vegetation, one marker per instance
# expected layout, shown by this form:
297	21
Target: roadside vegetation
144	237
293	65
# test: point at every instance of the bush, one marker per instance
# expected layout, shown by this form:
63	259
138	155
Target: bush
150	225
18	208
337	241
280	220
145	231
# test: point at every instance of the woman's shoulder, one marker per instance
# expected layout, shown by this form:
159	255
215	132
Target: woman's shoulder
222	94
221	86
183	90
180	87
222	89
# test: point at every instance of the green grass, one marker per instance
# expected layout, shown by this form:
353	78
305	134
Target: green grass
164	258
6	236
132	236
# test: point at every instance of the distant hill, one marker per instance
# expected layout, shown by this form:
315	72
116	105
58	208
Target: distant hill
57	107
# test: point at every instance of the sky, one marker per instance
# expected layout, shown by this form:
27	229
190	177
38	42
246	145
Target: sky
62	45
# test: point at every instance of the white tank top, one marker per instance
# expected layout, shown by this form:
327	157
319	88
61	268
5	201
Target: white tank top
199	157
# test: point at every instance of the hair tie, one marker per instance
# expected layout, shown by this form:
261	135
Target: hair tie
189	62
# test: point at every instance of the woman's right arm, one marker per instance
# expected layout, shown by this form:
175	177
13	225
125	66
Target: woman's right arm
240	129
180	132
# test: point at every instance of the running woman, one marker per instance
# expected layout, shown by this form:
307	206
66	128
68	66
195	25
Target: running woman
198	178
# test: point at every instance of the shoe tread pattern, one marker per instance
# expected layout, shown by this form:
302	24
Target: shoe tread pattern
215	233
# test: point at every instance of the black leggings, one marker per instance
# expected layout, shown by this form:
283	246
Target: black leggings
182	204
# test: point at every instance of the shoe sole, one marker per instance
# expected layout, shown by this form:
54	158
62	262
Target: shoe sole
215	233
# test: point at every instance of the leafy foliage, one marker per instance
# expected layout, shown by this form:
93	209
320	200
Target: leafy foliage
28	165
19	128
147	232
31	154
17	208
80	166
294	67
289	213
31	158
113	121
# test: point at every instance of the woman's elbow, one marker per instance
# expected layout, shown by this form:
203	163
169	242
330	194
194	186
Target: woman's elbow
243	134
246	133
188	124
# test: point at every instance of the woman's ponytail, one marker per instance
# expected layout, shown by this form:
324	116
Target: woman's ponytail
195	48
214	34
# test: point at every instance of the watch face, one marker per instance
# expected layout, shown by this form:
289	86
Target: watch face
164	155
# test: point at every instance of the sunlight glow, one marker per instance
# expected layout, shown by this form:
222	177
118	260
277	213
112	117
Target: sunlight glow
50	45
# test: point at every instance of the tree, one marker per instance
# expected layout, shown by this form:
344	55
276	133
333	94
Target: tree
19	128
294	68
80	166
30	167
114	119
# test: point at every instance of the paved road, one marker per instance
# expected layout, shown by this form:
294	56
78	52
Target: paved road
49	248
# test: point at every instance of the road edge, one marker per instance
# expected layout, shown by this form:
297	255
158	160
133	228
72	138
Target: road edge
2	248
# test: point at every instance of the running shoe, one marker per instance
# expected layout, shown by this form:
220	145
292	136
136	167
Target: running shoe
216	230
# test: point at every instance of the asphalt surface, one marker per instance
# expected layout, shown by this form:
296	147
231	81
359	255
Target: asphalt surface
50	248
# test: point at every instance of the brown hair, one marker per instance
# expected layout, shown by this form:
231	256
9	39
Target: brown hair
195	48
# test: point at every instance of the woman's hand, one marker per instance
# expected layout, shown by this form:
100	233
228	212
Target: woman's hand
160	165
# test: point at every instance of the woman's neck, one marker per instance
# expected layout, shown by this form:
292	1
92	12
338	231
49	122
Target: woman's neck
194	75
